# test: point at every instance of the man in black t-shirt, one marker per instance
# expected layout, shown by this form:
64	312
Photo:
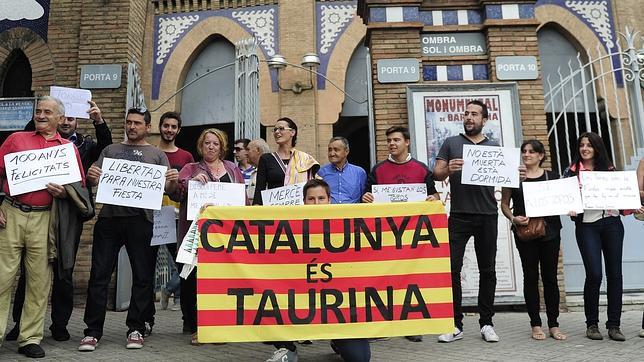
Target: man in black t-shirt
473	213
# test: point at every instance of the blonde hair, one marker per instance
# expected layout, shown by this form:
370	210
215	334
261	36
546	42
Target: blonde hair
221	136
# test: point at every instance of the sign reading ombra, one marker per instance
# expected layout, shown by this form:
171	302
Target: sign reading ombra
131	183
277	273
32	170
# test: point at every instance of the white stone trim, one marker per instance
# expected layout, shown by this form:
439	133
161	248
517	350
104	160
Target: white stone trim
510	11
394	15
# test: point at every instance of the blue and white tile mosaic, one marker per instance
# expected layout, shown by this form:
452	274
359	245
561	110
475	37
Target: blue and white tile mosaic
261	22
332	20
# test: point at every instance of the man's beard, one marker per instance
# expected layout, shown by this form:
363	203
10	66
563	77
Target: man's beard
474	131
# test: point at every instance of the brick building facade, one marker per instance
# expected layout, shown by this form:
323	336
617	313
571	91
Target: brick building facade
163	38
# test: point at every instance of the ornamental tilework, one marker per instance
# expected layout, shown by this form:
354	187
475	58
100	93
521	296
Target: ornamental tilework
332	20
260	22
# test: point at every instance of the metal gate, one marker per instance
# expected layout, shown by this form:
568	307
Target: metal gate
600	92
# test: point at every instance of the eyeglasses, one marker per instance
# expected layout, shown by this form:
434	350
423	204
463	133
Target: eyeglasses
281	129
239	149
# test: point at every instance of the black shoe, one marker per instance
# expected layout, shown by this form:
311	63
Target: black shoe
615	334
593	333
32	351
415	338
59	334
13	333
186	329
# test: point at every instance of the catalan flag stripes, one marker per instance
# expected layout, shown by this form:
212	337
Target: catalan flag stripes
277	273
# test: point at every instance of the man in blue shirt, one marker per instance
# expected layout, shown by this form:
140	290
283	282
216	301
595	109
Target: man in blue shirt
347	181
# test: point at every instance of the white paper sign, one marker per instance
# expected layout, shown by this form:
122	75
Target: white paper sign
605	190
399	193
216	193
131	183
555	197
32	170
491	166
75	100
285	195
165	226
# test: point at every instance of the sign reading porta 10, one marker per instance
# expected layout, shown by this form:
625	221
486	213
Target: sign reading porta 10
449	44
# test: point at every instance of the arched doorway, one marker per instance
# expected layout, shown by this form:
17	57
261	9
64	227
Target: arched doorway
15	82
353	122
209	102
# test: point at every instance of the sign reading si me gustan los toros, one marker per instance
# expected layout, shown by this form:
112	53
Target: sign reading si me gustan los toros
448	44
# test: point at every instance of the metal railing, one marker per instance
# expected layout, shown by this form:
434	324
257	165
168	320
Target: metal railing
599	92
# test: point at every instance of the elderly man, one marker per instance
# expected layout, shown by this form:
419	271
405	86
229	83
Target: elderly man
62	290
255	149
347	181
24	226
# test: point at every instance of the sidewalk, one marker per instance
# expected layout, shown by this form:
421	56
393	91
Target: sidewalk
168	344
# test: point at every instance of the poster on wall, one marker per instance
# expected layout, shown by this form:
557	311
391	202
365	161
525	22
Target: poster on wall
436	112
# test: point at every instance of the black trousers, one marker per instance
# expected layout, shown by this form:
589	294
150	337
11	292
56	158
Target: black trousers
484	230
189	300
62	292
544	254
109	235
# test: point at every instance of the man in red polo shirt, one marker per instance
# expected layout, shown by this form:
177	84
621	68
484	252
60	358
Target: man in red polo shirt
24	225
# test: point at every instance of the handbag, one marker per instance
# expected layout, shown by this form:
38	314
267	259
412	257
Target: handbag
535	229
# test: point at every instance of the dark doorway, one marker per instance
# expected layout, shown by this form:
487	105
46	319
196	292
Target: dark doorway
16	81
17	77
356	130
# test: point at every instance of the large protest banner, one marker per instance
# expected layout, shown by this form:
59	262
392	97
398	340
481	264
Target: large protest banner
284	273
32	170
131	183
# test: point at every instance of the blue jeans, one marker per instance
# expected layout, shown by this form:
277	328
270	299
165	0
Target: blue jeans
604	236
353	350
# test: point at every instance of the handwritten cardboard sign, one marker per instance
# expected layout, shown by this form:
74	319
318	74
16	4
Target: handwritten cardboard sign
285	195
165	226
606	190
216	193
399	192
491	166
131	183
75	100
554	197
32	170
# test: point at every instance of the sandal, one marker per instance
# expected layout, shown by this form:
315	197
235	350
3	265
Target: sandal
537	334
556	333
194	340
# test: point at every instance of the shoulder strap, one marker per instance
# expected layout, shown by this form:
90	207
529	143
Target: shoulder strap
279	161
546	172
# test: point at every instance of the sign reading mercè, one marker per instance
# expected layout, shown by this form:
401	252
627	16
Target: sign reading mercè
448	44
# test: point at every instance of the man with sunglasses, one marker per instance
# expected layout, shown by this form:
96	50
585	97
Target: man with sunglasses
62	290
241	155
129	226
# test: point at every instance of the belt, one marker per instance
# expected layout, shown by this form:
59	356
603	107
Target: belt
24	207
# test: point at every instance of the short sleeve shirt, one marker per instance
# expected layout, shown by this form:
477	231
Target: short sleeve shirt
467	199
141	153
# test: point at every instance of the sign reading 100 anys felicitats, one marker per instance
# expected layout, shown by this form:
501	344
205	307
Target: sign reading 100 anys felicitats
448	44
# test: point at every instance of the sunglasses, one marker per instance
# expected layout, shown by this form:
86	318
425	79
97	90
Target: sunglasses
281	129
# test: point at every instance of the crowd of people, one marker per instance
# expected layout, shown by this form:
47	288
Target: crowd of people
26	222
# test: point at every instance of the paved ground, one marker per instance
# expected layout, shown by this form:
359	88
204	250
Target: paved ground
168	344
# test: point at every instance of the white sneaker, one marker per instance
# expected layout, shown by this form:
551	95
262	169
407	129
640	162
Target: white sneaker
451	337
283	355
488	334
